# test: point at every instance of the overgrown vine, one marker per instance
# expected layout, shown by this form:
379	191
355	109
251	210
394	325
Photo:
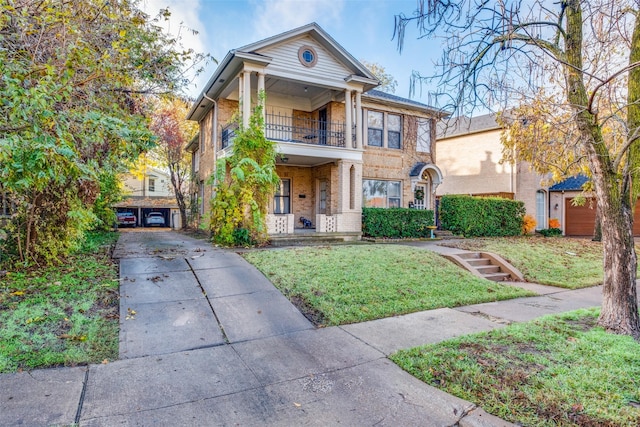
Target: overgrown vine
243	184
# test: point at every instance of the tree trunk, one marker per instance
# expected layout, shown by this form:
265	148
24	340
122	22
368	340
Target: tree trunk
597	228
619	312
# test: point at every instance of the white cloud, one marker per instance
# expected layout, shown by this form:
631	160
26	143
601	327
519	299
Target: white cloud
275	16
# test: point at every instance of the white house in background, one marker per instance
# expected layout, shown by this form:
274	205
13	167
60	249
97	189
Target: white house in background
469	153
148	193
343	145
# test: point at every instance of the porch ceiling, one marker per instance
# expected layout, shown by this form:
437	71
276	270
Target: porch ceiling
295	154
286	88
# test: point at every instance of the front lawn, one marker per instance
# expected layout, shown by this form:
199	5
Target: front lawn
66	315
556	261
556	370
354	283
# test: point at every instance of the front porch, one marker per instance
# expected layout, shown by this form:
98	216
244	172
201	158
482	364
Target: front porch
310	236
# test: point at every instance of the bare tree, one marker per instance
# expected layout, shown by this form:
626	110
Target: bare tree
586	52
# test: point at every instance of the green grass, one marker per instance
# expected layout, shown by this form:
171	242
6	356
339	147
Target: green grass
354	283
563	262
64	315
557	370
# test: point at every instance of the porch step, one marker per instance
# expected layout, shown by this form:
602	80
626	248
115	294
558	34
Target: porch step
486	265
310	238
446	235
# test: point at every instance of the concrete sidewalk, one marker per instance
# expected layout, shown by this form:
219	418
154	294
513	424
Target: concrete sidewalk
206	340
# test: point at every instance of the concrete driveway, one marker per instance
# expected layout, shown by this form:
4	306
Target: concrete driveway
207	340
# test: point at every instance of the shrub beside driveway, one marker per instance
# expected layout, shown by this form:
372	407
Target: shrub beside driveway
354	283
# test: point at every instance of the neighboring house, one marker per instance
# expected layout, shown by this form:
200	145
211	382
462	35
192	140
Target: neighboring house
342	145
469	153
150	193
578	220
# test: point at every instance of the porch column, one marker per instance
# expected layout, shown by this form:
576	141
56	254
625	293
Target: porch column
359	126
246	98
260	90
348	111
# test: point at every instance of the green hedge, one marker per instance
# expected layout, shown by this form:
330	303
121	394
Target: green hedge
396	222
481	216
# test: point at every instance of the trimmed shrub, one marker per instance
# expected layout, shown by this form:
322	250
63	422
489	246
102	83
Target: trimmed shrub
396	222
481	216
551	232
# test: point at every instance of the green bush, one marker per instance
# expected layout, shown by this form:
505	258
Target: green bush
396	222
551	232
481	216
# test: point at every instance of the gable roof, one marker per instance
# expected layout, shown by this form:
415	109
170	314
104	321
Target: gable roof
232	62
321	36
467	125
573	183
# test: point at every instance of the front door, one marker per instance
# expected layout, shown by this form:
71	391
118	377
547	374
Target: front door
322	126
420	196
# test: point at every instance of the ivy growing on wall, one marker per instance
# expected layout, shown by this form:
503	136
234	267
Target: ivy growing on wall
243	185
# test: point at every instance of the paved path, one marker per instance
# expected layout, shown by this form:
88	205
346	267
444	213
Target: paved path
207	340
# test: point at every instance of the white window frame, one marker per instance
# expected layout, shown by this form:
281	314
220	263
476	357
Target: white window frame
423	128
387	199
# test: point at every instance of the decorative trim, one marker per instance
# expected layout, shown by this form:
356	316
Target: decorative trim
307	56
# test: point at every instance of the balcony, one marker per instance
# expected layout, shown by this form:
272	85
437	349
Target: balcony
296	130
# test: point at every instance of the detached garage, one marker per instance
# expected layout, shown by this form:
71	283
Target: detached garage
578	221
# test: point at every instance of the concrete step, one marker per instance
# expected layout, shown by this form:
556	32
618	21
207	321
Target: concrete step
497	277
486	265
479	262
470	255
446	234
488	269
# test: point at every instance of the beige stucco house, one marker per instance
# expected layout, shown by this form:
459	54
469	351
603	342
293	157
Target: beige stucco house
469	154
148	192
342	144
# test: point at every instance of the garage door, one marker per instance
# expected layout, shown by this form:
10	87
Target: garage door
580	220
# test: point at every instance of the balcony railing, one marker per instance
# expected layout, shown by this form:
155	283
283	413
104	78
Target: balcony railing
295	129
304	130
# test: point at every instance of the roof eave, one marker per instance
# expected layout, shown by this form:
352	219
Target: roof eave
396	103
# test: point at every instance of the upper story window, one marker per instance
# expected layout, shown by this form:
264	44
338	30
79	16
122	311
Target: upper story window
307	56
375	126
196	161
394	130
384	129
424	136
152	185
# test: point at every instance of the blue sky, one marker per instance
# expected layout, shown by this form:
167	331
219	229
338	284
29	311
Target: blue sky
362	27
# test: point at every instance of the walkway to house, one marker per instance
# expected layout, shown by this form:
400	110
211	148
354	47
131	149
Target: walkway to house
208	340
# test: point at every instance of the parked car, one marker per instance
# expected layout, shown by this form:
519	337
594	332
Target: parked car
155	218
126	219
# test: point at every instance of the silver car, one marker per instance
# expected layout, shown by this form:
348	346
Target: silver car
155	218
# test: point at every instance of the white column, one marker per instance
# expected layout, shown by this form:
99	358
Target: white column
359	126
261	89
348	111
246	98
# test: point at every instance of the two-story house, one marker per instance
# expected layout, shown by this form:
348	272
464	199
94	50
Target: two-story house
342	145
470	154
146	192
